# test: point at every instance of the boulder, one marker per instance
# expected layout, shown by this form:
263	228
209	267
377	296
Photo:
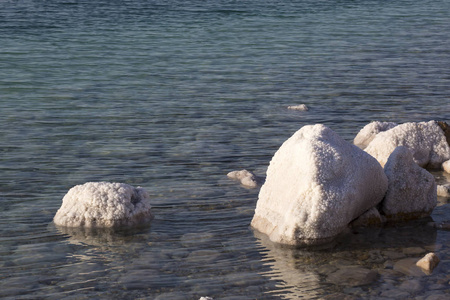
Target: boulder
104	205
316	184
368	133
425	140
412	190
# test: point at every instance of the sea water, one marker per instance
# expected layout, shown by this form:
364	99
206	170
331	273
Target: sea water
171	96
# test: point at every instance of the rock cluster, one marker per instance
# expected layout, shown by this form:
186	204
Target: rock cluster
317	183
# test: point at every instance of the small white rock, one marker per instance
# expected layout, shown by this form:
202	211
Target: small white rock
428	262
301	107
206	298
443	190
446	166
246	178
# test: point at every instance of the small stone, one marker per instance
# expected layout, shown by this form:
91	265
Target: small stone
413	250
408	267
411	286
444	190
446	166
247	178
353	276
428	262
301	107
206	298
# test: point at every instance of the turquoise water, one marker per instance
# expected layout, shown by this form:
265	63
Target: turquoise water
171	96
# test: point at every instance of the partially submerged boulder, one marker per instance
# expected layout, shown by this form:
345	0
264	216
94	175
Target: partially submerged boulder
426	141
316	184
104	204
412	190
368	132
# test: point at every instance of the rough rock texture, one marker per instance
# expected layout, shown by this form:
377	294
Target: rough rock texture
301	107
412	190
371	217
368	133
428	262
443	190
426	141
316	184
104	204
246	178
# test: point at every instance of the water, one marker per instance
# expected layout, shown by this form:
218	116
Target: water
171	96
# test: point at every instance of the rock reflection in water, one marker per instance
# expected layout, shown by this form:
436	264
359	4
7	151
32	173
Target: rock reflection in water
329	272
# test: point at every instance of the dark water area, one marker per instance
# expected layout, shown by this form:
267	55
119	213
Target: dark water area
173	95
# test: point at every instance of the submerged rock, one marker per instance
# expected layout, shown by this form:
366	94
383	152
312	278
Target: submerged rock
425	140
316	184
301	107
368	133
246	178
412	190
104	204
428	262
353	276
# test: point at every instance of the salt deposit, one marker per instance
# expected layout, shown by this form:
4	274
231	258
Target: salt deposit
301	107
412	190
368	133
246	178
443	190
426	141
316	184
104	204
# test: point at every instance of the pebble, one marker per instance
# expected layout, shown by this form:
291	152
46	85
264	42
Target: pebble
352	276
408	267
412	286
428	262
300	107
413	250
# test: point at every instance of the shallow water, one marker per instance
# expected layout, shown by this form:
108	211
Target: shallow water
171	96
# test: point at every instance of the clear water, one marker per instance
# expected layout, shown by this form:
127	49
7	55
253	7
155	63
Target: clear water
171	96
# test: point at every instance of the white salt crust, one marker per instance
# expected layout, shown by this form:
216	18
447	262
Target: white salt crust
425	140
412	190
368	132
300	107
316	184
104	204
246	178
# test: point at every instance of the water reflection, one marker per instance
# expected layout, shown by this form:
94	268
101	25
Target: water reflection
329	272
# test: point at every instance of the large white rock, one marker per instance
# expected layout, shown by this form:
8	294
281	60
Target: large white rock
368	132
104	204
426	140
412	190
316	184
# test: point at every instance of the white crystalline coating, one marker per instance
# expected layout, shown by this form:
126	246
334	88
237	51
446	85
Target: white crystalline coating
104	204
426	140
443	190
412	190
446	166
316	184
246	178
300	107
368	132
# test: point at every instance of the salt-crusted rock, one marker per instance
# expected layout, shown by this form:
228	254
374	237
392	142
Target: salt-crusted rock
246	178
371	217
426	141
104	204
368	133
428	262
301	107
443	190
446	166
316	184
412	190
